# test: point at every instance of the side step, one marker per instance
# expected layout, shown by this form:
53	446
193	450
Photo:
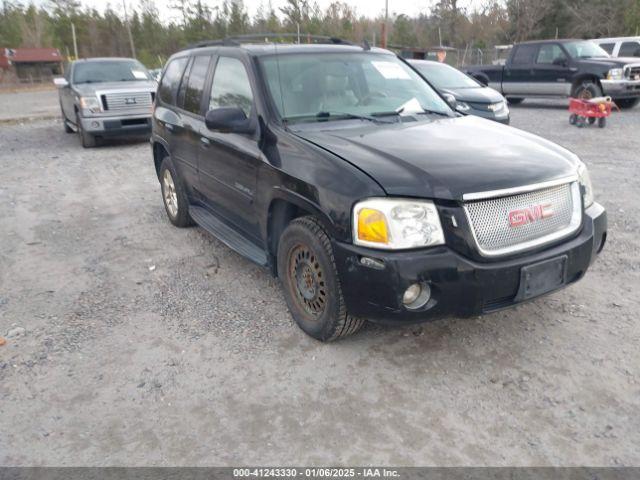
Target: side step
228	235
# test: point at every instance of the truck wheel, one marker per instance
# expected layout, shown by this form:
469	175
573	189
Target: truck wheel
174	196
515	100
586	91
87	140
307	270
627	102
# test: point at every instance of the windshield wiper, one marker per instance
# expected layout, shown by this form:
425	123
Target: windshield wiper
428	111
325	115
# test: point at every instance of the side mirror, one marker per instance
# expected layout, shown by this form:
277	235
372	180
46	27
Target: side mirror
60	82
560	62
228	120
451	100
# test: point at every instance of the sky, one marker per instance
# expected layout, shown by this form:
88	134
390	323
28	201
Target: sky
369	8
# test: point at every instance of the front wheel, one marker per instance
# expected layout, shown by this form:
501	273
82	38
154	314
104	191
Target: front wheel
86	139
627	102
515	100
587	91
307	270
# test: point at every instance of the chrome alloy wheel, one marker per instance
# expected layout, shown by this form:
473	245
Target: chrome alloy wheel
169	194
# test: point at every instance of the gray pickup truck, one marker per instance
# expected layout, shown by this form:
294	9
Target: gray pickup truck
106	97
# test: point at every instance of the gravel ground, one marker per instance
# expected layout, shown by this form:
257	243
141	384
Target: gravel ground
38	102
131	342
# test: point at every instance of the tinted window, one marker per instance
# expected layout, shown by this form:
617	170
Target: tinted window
171	79
608	47
629	49
442	75
550	54
231	87
524	55
195	85
109	71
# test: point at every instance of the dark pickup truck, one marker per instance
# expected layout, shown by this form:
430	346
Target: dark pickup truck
562	68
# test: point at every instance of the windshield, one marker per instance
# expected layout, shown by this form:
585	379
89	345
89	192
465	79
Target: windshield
318	86
442	75
109	71
585	49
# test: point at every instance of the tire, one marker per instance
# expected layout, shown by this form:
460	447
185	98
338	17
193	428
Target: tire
602	122
581	122
86	139
174	196
591	120
572	119
307	271
515	100
587	90
625	103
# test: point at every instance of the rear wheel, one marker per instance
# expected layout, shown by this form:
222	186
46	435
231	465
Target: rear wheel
307	270
174	196
627	102
514	100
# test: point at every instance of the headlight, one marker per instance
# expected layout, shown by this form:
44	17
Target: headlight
462	107
615	74
394	224
585	182
90	103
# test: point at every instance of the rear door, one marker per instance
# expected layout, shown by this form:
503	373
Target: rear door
519	74
552	71
229	161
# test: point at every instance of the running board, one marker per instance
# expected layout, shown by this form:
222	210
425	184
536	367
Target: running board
228	235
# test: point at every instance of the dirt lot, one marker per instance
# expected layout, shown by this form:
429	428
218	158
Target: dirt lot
132	342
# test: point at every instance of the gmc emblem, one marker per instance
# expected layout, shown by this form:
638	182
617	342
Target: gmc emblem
532	214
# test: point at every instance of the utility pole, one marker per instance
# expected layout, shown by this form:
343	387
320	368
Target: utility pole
75	41
126	20
383	39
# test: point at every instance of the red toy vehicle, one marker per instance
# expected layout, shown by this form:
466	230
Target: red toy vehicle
590	110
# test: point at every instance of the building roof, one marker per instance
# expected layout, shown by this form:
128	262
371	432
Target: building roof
29	55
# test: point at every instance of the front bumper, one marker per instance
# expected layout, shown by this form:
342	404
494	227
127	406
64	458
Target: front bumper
117	126
621	88
459	286
499	117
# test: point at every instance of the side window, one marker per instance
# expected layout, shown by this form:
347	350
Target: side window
183	84
524	55
629	49
171	79
231	86
551	54
608	47
195	85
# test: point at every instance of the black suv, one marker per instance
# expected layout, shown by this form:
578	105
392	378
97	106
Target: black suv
340	169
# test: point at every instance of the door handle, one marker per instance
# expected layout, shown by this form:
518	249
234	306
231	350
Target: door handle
205	141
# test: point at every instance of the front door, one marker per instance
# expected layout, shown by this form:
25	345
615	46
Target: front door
552	72
228	162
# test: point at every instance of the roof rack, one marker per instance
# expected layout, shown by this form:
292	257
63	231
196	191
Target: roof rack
304	38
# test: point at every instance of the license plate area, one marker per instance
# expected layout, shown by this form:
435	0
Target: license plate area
542	277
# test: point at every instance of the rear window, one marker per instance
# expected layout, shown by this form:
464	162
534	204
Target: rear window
524	55
171	79
195	84
629	49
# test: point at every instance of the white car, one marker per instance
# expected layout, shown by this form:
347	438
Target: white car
621	46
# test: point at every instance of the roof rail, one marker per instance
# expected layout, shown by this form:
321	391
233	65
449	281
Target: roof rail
237	40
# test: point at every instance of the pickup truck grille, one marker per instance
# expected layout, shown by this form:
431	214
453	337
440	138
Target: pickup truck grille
508	224
125	101
633	72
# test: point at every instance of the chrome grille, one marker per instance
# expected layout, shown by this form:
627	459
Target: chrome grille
121	101
491	226
633	71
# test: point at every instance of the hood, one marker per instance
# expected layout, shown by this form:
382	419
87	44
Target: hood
443	158
92	88
474	94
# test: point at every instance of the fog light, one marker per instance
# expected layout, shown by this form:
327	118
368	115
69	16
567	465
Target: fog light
416	296
95	124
